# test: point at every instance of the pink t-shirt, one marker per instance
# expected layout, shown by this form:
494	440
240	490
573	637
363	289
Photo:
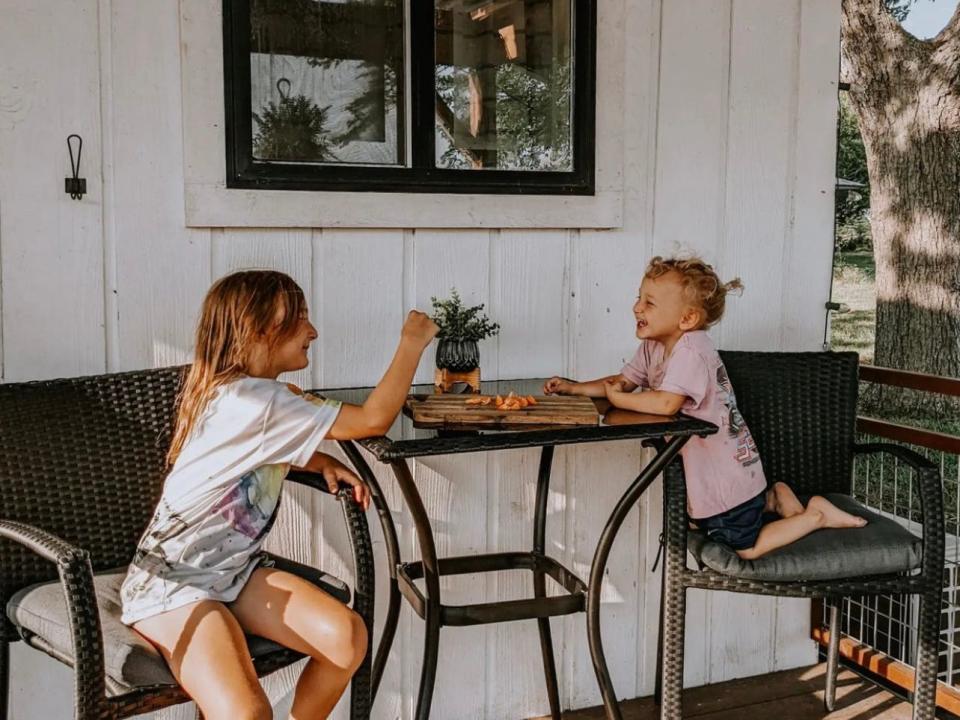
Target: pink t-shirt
722	470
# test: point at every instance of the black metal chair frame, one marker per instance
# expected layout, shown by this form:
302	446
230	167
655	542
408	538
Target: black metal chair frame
113	449
579	596
837	402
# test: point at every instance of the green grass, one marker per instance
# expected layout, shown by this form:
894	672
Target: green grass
853	286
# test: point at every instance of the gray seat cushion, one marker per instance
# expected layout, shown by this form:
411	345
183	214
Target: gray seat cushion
883	547
40	613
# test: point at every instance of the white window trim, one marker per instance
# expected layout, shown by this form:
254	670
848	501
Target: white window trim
209	203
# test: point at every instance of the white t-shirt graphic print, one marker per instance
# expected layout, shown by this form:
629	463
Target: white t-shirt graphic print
221	497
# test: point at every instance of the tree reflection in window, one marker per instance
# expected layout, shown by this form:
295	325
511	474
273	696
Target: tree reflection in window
504	84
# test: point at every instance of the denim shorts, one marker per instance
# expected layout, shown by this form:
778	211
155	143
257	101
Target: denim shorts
737	527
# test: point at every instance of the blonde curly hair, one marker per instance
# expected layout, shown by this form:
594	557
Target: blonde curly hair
702	286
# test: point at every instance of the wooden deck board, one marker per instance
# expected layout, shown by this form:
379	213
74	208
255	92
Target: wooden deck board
787	695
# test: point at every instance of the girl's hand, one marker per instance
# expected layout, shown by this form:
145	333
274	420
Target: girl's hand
419	328
335	472
558	386
614	383
613	390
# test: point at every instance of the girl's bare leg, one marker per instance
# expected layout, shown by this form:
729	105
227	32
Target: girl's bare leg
835	517
207	653
782	501
297	614
819	513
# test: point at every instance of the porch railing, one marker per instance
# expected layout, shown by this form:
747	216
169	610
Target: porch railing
880	632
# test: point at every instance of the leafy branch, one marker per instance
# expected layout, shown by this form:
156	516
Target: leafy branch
457	322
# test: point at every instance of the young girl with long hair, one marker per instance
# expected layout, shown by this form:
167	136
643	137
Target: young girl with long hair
199	580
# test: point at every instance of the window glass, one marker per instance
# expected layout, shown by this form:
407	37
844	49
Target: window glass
504	72
326	81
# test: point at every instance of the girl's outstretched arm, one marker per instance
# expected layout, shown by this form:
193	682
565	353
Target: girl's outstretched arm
381	408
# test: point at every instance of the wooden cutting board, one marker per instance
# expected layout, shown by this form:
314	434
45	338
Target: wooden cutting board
451	409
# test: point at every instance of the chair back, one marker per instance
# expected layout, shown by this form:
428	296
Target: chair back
801	408
84	459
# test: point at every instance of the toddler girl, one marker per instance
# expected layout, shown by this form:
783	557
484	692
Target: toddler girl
678	368
199	580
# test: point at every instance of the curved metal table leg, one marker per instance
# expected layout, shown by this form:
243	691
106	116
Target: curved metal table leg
539	579
598	567
431	577
4	678
393	559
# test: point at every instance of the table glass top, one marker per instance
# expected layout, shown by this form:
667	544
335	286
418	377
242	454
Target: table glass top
408	439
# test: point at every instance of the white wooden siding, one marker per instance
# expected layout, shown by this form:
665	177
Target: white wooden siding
725	111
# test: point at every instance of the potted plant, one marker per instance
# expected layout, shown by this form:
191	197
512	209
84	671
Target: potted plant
461	328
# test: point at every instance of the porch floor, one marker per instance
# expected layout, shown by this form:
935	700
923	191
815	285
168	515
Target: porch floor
787	695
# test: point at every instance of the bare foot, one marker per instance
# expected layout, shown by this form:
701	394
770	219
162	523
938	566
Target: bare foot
833	516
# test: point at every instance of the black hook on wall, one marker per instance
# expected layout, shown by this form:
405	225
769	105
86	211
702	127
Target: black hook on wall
76	185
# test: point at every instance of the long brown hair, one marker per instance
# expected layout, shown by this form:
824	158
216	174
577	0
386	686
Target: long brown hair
237	310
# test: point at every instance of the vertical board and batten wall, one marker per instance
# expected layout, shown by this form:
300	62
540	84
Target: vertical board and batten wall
728	141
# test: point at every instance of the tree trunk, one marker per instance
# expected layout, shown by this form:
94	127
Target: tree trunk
906	93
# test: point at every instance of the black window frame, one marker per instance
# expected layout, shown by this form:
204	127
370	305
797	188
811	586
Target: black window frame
243	171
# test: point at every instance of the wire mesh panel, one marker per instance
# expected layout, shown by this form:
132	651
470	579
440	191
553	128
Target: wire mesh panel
888	623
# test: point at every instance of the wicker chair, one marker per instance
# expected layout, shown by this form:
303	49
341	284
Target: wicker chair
81	469
801	410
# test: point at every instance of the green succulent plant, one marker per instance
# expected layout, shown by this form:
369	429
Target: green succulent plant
457	322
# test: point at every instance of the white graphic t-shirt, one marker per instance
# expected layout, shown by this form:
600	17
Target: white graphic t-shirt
722	470
222	495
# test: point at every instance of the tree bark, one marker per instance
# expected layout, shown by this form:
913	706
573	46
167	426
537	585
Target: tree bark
906	94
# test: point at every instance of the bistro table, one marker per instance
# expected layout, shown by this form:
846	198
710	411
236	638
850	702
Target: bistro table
407	441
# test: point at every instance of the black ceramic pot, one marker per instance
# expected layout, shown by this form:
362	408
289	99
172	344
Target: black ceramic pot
458	355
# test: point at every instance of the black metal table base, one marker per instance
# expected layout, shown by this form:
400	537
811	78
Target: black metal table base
429	569
666	452
496	612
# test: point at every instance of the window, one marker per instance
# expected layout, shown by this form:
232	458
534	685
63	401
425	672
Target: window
478	96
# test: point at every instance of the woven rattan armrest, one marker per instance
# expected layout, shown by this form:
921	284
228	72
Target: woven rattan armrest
76	578
931	503
361	545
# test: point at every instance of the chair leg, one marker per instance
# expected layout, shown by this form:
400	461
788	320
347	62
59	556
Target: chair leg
928	637
658	681
4	678
833	654
671	660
